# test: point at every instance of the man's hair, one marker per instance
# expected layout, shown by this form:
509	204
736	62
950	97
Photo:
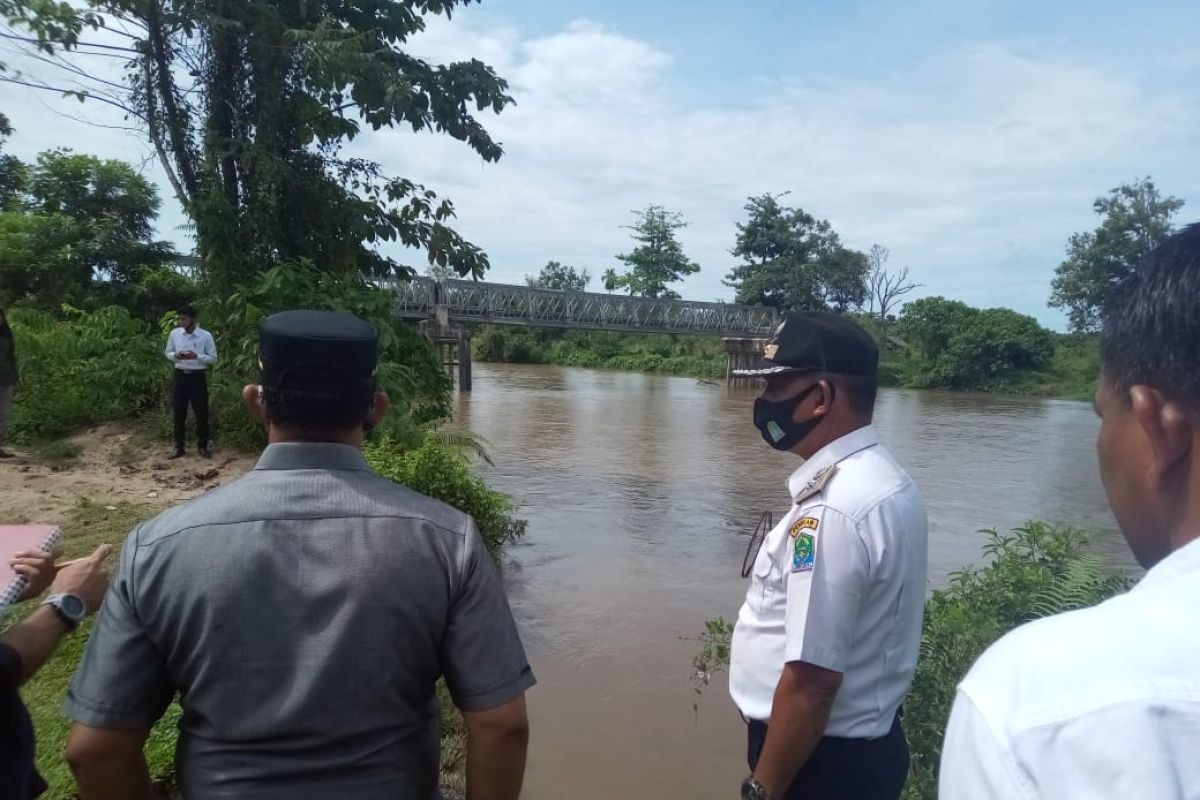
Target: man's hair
861	391
318	412
187	311
1152	325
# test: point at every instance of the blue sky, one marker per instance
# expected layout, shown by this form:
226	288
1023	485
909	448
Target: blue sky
968	137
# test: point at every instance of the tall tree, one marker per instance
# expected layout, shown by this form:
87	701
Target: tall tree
794	261
843	279
658	258
884	287
77	223
1136	220
248	104
12	171
560	276
113	207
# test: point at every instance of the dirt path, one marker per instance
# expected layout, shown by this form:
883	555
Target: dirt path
117	464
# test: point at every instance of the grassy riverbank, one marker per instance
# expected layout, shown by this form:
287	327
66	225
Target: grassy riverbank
1068	371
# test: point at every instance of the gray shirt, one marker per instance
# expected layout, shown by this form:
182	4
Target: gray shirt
304	614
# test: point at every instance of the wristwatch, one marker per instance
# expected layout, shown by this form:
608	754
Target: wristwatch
753	790
70	607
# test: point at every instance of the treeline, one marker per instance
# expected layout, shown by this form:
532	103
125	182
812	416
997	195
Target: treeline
792	261
942	344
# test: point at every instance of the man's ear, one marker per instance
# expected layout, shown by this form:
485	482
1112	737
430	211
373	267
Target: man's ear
824	398
1167	427
252	400
379	408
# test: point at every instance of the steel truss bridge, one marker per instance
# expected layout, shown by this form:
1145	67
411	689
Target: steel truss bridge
474	302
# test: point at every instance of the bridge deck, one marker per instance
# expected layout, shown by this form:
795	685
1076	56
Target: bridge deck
503	304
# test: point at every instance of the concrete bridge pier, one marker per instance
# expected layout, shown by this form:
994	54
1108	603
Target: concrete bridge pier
741	353
453	343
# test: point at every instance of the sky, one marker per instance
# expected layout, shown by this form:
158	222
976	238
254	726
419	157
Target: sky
969	137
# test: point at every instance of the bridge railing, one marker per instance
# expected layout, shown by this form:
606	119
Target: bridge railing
474	301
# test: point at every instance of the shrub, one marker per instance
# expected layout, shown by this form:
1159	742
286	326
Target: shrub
955	346
84	369
1036	571
442	472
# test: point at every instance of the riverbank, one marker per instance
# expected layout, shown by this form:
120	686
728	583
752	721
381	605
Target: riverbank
1069	372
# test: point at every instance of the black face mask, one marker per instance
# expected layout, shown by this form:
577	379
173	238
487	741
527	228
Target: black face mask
774	420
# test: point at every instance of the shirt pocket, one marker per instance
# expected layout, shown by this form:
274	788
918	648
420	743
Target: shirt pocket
763	580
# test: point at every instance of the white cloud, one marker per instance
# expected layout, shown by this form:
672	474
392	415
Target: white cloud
973	166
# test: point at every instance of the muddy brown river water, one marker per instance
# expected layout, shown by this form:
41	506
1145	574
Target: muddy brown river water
641	492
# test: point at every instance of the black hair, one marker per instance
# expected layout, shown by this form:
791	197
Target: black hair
187	311
861	391
318	411
1152	325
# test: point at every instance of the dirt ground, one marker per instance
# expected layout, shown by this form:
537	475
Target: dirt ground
117	463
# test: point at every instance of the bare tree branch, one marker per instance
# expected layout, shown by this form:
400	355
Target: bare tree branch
885	288
87	94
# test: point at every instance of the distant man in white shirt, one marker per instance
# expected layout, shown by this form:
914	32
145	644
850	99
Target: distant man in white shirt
826	643
191	349
1105	702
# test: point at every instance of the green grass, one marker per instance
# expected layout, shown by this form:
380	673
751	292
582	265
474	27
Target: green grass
87	526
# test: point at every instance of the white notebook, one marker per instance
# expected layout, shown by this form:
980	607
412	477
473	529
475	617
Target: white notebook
15	539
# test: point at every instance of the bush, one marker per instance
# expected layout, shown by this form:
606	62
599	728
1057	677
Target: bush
1038	570
954	346
82	370
697	356
442	472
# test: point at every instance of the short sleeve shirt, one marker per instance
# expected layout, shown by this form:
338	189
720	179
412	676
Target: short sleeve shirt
303	614
839	583
1100	703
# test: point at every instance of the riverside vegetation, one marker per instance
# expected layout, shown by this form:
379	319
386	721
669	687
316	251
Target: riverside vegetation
948	346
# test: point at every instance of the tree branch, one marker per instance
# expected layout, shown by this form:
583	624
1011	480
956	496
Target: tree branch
159	76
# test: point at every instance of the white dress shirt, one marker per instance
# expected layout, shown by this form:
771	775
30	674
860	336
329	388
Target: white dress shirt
1098	703
839	583
199	341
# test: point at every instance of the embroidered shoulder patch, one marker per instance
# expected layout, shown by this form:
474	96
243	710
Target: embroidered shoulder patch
804	523
804	552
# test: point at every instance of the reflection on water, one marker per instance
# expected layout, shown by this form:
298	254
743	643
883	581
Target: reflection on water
640	492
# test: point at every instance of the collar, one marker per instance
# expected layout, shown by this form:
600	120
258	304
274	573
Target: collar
312	455
829	456
1183	563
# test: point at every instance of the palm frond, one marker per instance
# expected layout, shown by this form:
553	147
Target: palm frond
464	440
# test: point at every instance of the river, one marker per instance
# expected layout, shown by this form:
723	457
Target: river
641	492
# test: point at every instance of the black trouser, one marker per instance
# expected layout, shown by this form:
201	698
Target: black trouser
191	387
845	769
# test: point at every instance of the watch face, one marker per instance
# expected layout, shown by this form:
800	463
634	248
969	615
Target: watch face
73	606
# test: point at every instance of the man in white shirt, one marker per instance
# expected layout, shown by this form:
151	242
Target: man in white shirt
191	349
827	640
1105	702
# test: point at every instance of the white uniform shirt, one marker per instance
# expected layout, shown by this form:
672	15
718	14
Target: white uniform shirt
199	341
839	583
1098	703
